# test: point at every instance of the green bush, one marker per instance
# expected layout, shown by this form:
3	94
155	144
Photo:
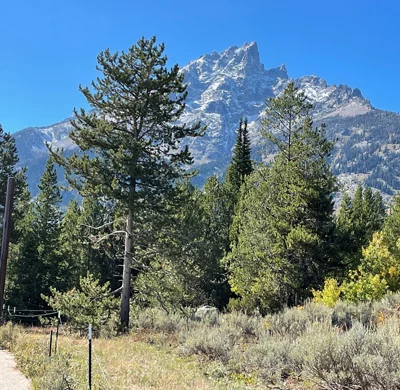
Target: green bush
92	304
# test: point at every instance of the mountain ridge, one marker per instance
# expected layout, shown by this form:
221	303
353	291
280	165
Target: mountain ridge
225	86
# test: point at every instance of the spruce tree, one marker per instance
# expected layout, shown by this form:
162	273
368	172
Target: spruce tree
71	245
233	172
131	143
246	165
359	218
240	167
47	228
100	245
241	163
38	264
8	161
391	227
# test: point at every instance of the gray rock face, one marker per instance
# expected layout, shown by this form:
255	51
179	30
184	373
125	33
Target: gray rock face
223	87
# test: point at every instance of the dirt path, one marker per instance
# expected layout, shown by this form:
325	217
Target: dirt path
10	377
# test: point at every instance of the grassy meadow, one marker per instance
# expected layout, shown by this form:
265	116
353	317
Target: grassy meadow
313	346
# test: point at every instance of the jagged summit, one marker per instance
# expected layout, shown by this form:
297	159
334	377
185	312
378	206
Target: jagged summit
225	86
279	73
234	61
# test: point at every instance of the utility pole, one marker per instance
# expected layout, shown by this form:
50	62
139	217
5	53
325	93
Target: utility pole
6	239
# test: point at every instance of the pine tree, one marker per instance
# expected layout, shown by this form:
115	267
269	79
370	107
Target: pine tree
71	245
130	144
100	246
47	209
344	211
285	115
84	247
47	228
377	211
284	247
186	271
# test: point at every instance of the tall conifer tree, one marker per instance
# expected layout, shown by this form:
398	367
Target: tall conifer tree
130	144
358	219
286	217
8	161
37	264
246	163
240	167
241	163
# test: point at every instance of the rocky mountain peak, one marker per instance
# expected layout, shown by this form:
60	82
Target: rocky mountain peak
233	62
225	86
278	73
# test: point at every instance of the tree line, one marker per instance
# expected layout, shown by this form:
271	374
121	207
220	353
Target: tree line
263	237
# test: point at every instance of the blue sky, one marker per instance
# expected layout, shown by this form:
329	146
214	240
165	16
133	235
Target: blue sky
49	47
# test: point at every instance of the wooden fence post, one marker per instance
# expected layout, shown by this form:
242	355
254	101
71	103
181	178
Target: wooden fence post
6	239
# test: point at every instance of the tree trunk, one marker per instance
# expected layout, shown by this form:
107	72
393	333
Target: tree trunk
126	274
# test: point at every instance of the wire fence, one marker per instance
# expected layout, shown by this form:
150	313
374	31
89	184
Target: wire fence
102	369
14	314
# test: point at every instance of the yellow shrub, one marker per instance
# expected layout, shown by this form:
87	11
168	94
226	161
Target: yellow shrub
329	295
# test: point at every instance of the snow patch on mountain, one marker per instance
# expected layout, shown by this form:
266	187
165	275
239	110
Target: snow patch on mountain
224	87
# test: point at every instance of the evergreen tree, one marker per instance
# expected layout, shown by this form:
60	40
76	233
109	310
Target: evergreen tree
240	167
233	171
100	245
391	228
38	265
24	271
218	205
286	213
130	144
186	270
47	210
344	211
71	243
246	165
47	228
241	164
8	161
85	243
359	218
285	115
